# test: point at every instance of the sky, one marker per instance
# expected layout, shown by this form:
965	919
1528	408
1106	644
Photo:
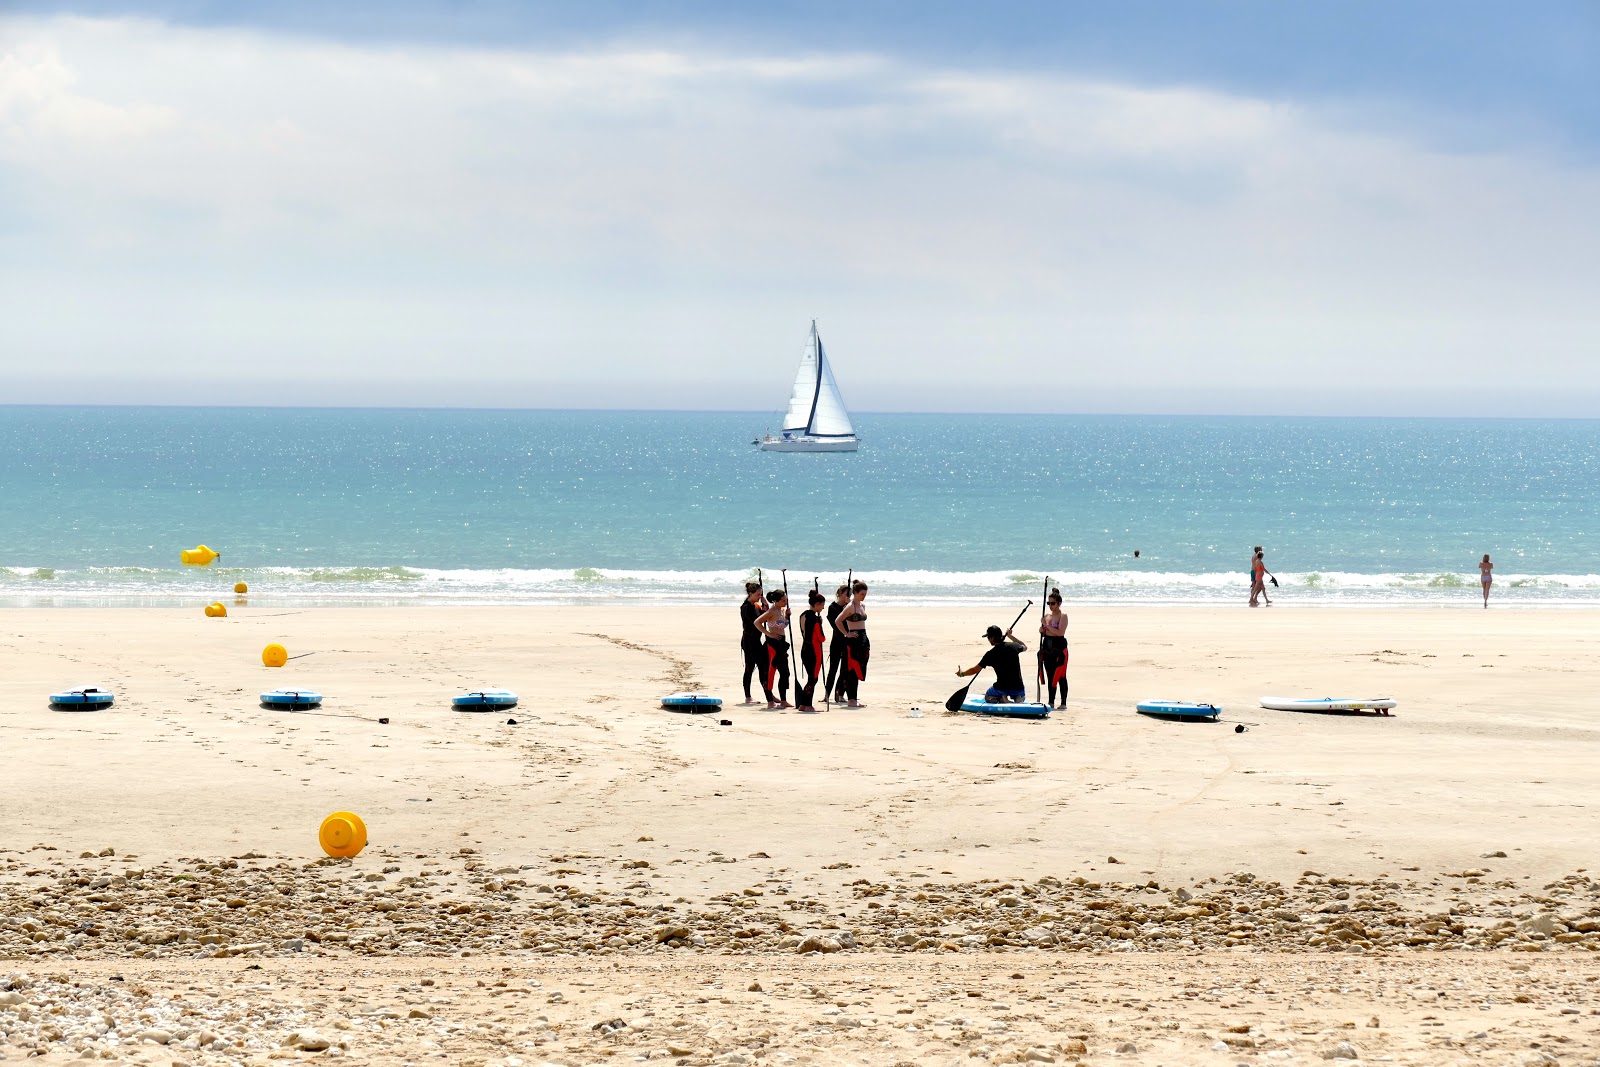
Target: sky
1224	208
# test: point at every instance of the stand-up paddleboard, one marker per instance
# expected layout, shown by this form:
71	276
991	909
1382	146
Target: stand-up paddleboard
86	699
691	703
1376	705
291	698
1178	709
485	700
980	706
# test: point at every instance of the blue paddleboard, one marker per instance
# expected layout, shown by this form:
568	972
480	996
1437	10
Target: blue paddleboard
691	703
980	706
85	698
291	698
1178	709
486	699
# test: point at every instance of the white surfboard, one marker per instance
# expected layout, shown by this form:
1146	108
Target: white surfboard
1379	705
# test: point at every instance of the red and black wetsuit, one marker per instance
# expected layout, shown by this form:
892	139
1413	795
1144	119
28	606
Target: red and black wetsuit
810	657
755	657
775	679
856	651
835	651
1053	665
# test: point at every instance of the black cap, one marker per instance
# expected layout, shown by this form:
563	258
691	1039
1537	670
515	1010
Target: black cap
994	633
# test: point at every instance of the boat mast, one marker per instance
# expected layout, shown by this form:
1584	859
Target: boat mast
816	343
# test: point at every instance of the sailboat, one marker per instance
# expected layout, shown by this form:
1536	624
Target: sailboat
816	420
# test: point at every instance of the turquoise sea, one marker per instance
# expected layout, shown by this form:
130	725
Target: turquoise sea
403	506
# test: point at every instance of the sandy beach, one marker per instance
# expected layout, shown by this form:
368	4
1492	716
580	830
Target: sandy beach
1182	891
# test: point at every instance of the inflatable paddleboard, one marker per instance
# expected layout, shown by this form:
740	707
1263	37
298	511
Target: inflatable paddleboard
692	703
980	706
291	698
1178	709
80	699
1377	705
486	699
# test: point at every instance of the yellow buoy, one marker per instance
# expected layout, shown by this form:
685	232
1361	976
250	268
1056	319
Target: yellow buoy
199	556
343	834
240	587
216	610
274	655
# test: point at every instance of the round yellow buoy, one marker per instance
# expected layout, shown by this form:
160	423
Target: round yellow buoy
216	610
240	587
343	834
274	655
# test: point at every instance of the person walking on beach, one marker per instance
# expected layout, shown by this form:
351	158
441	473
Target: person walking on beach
1258	577
857	649
1005	659
1053	650
755	656
811	640
836	645
774	623
1485	577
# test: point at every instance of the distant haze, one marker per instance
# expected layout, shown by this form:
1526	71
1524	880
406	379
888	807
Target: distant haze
257	214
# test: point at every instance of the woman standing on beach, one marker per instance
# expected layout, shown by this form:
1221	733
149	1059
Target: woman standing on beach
774	623
836	646
1486	577
1053	649
805	696
853	621
755	656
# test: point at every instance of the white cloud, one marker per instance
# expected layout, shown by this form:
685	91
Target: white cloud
550	222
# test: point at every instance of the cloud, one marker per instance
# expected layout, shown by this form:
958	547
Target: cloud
664	222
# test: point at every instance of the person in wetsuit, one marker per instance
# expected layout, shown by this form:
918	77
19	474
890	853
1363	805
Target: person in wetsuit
755	656
841	597
1005	659
774	623
857	649
811	639
1053	650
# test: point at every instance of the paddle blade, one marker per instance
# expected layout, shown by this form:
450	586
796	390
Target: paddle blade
957	698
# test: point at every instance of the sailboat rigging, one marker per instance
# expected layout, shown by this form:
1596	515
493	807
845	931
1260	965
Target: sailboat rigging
816	419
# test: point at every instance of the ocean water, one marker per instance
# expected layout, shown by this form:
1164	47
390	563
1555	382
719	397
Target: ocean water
400	506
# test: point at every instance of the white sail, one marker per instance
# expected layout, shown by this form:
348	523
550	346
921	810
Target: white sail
828	416
804	394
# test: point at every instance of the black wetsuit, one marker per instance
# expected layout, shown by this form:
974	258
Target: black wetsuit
755	657
1006	660
857	649
810	658
835	651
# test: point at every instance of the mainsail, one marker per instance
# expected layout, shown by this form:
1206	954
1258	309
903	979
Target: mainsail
815	406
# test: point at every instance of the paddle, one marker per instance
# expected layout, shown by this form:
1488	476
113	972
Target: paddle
794	667
1038	676
960	695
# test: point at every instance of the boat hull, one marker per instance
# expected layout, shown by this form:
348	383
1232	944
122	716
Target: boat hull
809	444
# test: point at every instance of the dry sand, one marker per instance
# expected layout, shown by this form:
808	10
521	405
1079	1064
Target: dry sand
1268	887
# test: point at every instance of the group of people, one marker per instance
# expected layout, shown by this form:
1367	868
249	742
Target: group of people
1005	659
765	626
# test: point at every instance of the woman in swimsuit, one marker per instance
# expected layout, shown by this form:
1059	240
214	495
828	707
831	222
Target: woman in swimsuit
1486	577
1053	649
774	623
853	620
